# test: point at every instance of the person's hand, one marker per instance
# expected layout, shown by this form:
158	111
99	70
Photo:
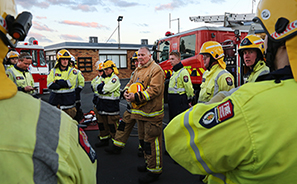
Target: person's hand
129	96
28	88
190	104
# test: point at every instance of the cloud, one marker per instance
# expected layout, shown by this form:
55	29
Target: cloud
38	17
218	1
121	3
28	4
111	41
145	32
61	2
84	8
71	37
84	24
39	37
142	25
175	4
40	27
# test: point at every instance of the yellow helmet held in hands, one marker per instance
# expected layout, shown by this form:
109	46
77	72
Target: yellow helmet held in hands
252	42
215	49
135	88
279	21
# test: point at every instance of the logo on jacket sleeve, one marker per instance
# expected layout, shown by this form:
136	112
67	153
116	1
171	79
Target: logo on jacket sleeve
229	81
217	115
74	72
83	141
19	78
113	80
186	79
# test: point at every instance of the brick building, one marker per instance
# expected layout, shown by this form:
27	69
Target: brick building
87	54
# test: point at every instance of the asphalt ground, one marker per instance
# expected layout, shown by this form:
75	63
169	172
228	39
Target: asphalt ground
122	168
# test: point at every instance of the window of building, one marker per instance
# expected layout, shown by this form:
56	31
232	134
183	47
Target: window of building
84	64
187	46
119	59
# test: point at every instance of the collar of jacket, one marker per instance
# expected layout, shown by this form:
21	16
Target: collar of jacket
16	67
62	69
280	74
109	75
177	67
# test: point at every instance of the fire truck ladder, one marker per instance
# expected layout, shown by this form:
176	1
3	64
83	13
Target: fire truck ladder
232	20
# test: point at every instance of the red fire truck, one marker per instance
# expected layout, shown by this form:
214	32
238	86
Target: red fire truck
188	43
39	67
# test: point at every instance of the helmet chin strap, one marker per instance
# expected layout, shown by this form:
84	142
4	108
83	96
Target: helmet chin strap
270	54
211	63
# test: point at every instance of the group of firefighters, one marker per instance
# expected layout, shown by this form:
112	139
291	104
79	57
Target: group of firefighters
232	135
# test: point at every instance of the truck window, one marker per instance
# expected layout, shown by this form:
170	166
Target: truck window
34	58
187	46
42	58
163	53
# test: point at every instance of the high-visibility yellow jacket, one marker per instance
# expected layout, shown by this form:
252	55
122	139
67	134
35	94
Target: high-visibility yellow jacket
180	83
259	69
21	78
48	146
63	95
109	99
214	81
249	137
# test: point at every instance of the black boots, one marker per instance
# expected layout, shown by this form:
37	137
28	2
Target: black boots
113	150
142	168
103	142
148	178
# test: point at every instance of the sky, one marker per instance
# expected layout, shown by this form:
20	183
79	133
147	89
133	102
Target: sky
57	21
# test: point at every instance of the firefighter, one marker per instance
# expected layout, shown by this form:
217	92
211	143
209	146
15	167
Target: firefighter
47	146
251	51
108	103
150	115
180	91
215	78
62	80
249	137
97	80
126	124
80	85
11	59
20	75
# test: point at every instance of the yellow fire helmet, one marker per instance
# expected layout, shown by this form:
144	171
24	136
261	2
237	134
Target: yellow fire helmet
99	65
279	20
73	62
252	42
135	55
12	54
215	49
110	64
134	88
63	54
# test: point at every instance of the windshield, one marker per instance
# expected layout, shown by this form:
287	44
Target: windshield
162	52
42	58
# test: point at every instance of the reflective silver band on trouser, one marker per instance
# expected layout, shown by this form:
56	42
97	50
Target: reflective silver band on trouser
216	87
45	158
66	107
196	150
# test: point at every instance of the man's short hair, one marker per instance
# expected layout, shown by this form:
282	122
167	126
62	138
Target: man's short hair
24	55
175	53
146	48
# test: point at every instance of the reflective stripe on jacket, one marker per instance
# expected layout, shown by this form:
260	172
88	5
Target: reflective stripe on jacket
180	83
214	81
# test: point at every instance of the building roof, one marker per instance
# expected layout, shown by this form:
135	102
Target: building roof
87	45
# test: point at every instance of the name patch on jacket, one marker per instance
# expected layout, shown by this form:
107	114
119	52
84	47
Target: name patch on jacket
83	141
113	80
19	78
217	115
229	81
58	74
186	79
